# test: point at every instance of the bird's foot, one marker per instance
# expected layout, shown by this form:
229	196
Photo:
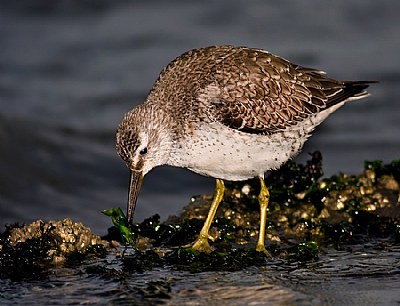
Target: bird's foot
261	248
201	244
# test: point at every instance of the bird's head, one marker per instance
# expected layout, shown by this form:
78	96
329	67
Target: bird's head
141	142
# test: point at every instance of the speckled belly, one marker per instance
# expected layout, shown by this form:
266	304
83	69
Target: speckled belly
218	151
221	152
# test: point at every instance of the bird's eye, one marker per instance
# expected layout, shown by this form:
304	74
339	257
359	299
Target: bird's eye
143	151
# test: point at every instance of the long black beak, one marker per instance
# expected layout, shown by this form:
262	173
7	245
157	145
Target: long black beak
134	188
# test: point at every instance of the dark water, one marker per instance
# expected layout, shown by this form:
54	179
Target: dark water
364	276
69	70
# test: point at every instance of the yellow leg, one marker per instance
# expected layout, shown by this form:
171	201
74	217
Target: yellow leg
201	243
263	199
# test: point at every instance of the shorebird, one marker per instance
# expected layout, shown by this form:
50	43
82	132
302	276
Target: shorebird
231	113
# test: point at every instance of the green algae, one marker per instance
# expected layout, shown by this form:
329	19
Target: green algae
120	222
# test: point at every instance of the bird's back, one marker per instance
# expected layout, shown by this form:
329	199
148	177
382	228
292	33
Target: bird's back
247	89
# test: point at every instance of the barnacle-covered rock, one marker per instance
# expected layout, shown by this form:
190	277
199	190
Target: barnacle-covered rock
28	251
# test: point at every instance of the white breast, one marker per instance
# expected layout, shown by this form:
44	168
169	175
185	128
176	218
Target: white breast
221	152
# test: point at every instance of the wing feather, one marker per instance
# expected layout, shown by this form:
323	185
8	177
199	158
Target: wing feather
257	92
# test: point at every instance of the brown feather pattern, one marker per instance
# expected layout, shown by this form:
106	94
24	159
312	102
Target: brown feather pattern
249	89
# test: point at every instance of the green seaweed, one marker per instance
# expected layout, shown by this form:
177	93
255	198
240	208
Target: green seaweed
119	220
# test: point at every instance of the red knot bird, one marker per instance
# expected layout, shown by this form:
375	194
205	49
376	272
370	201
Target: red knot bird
231	113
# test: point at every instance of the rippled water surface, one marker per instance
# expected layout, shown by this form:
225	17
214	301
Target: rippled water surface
69	70
363	276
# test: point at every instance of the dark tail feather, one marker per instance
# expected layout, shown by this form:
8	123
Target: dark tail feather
351	89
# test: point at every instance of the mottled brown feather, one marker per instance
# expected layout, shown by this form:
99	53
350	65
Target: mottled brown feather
248	89
277	93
